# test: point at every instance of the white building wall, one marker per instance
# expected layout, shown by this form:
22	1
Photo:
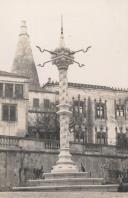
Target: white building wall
52	97
18	127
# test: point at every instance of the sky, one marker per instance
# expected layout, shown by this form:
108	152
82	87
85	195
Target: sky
103	24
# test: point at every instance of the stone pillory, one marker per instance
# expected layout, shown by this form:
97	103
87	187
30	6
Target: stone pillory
62	57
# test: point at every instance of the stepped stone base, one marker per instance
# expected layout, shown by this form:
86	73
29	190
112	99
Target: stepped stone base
68	182
65	181
90	188
65	175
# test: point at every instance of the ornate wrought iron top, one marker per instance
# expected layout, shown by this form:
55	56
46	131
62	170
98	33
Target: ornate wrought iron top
62	57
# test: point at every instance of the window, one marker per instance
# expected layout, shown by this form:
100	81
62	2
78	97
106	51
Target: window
8	90
9	112
1	89
100	110
36	102
46	103
101	136
122	140
78	107
120	110
19	91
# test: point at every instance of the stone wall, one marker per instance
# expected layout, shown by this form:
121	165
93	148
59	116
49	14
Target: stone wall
17	166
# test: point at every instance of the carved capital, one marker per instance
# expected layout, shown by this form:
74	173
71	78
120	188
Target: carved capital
62	58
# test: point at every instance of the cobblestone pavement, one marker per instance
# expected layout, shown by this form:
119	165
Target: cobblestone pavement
62	195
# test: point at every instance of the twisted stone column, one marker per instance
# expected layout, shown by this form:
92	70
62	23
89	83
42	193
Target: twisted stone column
64	164
64	109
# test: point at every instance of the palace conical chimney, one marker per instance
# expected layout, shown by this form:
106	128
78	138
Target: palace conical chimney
23	63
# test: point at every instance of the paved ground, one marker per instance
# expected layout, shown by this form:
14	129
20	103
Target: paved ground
62	195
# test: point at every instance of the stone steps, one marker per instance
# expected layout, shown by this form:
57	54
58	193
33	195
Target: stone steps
65	181
63	188
68	182
65	175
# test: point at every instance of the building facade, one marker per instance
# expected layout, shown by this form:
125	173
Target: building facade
99	113
13	104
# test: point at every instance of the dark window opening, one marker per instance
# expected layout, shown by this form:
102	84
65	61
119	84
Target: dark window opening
46	104
79	107
8	90
9	113
122	140
1	89
100	110
101	135
36	102
19	91
101	138
120	110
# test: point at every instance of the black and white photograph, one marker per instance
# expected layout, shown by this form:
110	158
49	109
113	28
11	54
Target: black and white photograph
63	98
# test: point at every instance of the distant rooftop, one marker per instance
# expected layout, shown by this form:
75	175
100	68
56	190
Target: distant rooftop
80	85
40	89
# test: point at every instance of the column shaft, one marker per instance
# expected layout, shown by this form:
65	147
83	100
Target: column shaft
64	116
64	163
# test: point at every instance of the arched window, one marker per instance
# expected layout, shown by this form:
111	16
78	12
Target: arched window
100	110
120	110
101	135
